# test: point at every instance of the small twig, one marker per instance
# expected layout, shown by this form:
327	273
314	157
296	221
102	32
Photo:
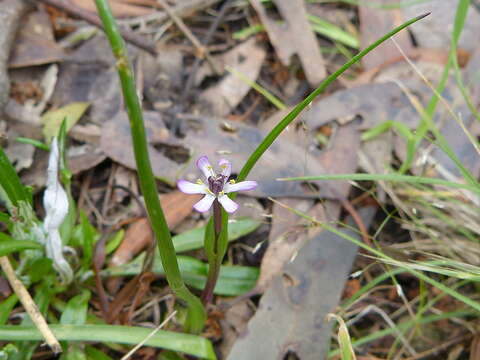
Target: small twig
29	305
138	346
202	50
93	19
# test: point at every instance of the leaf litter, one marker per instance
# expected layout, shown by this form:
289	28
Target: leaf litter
289	319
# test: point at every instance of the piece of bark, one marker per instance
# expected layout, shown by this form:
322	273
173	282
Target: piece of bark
291	315
294	36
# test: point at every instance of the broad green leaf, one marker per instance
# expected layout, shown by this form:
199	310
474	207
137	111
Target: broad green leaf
52	120
95	354
39	268
84	236
76	311
9	245
132	335
73	352
114	241
233	280
4	218
6	307
11	189
193	239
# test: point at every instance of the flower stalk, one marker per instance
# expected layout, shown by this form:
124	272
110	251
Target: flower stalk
196	315
216	189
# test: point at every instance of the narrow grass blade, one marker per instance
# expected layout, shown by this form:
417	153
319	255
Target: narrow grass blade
277	130
131	335
9	245
386	177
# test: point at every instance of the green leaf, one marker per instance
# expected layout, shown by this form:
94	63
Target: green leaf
388	177
9	245
333	32
6	307
84	236
7	351
39	268
76	311
5	218
95	354
193	239
114	241
132	335
52	120
233	280
11	189
73	352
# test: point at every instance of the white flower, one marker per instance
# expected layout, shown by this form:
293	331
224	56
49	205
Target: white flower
216	186
55	201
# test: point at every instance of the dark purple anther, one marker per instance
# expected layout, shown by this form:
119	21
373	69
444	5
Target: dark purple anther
215	184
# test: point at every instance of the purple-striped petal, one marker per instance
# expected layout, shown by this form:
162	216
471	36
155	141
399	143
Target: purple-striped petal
226	167
241	186
188	187
204	165
228	204
205	204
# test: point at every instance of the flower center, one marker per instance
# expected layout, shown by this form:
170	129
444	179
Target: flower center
216	183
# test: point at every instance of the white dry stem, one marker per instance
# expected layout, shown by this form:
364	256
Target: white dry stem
383	314
55	201
149	336
29	305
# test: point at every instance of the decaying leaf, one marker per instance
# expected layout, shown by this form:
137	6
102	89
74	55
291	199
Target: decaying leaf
35	43
436	31
52	120
375	21
344	341
214	138
247	59
294	36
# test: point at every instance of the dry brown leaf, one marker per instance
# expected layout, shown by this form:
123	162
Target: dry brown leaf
435	31
176	206
375	21
475	348
246	59
234	323
294	36
35	43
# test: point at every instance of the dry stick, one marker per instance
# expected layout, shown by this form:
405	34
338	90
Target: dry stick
93	19
202	50
29	305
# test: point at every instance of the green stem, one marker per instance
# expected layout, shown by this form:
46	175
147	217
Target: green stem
215	261
196	313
